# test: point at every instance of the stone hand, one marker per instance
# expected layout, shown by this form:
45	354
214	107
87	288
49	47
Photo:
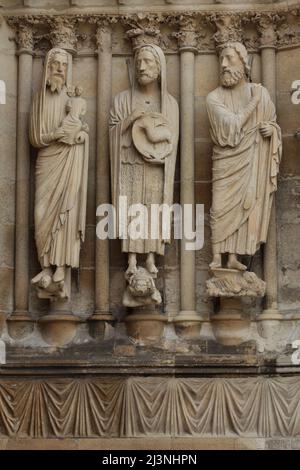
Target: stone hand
256	92
59	133
85	127
136	114
266	130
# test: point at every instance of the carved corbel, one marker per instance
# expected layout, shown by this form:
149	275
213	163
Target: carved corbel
63	33
229	28
144	29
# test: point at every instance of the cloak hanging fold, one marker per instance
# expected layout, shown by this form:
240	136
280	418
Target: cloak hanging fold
61	180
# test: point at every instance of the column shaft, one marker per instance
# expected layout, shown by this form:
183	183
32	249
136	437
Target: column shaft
187	261
268	58
23	184
102	172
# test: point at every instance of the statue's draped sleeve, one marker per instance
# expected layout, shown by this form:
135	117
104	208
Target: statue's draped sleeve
35	123
226	129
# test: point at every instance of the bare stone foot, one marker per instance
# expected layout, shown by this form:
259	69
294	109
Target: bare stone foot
150	264
151	268
233	263
132	269
216	262
59	274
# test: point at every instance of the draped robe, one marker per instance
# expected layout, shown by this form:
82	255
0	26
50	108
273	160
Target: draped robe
140	181
245	168
61	183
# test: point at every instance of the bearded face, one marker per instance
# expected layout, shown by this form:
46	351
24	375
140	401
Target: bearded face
147	69
232	68
57	72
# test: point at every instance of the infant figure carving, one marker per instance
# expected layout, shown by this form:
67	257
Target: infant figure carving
61	137
144	122
246	157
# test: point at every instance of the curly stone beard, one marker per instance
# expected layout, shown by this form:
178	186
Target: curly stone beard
55	83
232	76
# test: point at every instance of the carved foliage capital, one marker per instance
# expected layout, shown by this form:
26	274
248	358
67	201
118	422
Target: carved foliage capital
267	28
25	37
103	37
187	35
23	27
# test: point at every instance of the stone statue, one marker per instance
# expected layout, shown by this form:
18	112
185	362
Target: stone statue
144	123
246	157
57	130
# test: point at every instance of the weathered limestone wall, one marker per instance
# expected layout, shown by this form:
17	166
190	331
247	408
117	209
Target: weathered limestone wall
205	370
8	114
288	198
206	79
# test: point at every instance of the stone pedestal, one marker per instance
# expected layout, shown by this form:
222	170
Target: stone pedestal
145	325
20	325
230	327
59	327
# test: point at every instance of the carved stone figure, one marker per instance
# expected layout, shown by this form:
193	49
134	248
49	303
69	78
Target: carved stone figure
143	146
246	157
57	131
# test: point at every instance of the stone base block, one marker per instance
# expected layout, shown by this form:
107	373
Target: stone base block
187	325
145	327
20	325
97	324
58	330
230	327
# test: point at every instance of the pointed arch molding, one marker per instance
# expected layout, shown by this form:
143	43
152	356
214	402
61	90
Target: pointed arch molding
136	407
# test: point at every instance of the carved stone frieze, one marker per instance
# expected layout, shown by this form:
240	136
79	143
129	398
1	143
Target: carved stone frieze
253	29
139	406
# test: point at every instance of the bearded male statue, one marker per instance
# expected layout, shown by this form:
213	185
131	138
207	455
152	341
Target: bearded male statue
144	123
61	174
246	157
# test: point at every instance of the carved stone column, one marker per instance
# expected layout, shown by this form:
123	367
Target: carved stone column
104	42
266	28
20	323
188	322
